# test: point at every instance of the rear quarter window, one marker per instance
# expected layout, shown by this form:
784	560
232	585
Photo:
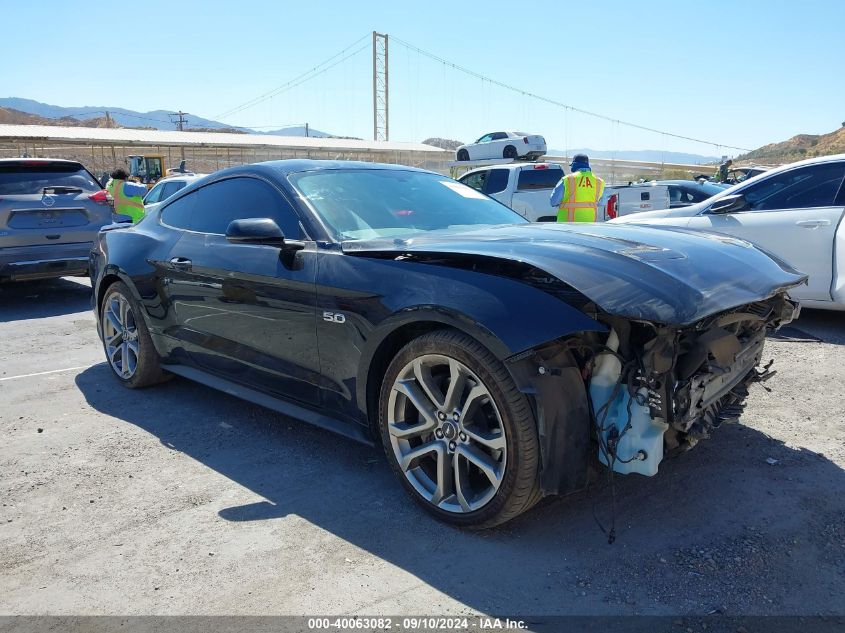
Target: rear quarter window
532	179
179	213
22	178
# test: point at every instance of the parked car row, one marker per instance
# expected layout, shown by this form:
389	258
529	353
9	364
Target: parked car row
50	213
393	304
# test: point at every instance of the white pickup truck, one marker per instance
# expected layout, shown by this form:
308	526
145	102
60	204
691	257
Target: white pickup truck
524	187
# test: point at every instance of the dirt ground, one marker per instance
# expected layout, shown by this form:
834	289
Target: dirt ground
182	500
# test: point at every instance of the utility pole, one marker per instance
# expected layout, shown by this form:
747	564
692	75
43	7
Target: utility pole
180	120
180	125
381	126
306	130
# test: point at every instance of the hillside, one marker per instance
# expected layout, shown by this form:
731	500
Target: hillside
10	116
94	116
798	147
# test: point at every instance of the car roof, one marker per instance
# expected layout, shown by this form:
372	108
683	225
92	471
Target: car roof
512	166
23	159
294	165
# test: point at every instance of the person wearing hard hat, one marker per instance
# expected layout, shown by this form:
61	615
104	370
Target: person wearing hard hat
577	195
128	196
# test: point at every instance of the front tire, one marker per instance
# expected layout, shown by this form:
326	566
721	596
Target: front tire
457	432
463	155
129	349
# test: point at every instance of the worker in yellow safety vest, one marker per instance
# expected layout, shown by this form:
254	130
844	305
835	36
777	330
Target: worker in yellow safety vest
128	196
577	195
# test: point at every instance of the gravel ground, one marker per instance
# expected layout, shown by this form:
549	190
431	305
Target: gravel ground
183	500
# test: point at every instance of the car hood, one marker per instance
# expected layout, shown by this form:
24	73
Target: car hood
661	274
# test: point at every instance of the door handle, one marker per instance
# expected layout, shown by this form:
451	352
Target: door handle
813	224
181	263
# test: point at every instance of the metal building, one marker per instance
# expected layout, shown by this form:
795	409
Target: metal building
103	149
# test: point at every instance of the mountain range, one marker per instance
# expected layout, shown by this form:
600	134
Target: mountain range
155	119
645	155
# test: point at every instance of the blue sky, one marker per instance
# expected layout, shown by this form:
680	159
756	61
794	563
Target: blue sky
735	73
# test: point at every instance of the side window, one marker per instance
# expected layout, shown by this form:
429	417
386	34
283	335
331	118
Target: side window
803	188
476	180
497	181
178	213
169	188
238	198
498	136
485	139
154	195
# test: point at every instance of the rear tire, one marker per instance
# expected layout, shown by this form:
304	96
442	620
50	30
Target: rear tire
129	349
463	155
458	433
509	152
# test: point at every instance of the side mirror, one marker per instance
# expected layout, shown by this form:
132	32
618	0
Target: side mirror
262	231
729	204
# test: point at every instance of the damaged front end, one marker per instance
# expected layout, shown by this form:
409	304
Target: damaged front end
656	388
644	388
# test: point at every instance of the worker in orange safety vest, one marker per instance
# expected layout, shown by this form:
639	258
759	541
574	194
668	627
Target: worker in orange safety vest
577	195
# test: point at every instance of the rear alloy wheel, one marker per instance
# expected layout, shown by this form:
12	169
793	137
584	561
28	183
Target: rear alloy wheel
463	155
126	340
458	432
509	152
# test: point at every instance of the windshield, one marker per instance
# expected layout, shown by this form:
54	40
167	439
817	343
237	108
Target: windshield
360	204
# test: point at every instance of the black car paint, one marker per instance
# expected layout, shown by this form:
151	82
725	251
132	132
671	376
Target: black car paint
677	277
271	332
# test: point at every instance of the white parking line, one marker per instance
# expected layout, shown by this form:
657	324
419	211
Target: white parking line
43	373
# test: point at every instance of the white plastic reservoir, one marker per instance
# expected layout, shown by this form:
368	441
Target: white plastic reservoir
645	434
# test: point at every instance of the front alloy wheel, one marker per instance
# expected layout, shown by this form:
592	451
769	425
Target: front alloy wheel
458	432
446	433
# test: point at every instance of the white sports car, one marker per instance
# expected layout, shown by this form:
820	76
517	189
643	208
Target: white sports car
795	212
503	145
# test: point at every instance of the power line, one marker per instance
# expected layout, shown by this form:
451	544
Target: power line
526	93
291	83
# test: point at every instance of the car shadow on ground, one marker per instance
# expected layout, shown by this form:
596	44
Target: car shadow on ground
814	326
22	300
720	527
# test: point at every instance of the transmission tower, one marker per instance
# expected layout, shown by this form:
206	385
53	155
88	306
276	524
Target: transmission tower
381	126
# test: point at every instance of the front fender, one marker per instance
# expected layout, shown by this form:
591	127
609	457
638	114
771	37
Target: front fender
506	315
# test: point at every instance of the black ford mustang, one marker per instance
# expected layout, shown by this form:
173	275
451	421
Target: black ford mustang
489	356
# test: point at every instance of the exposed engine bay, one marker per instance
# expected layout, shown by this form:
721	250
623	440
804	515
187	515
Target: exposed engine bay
656	388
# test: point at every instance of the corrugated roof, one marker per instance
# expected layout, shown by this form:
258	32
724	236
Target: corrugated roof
118	136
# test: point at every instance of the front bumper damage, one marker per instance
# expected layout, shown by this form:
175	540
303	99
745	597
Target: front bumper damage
643	389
